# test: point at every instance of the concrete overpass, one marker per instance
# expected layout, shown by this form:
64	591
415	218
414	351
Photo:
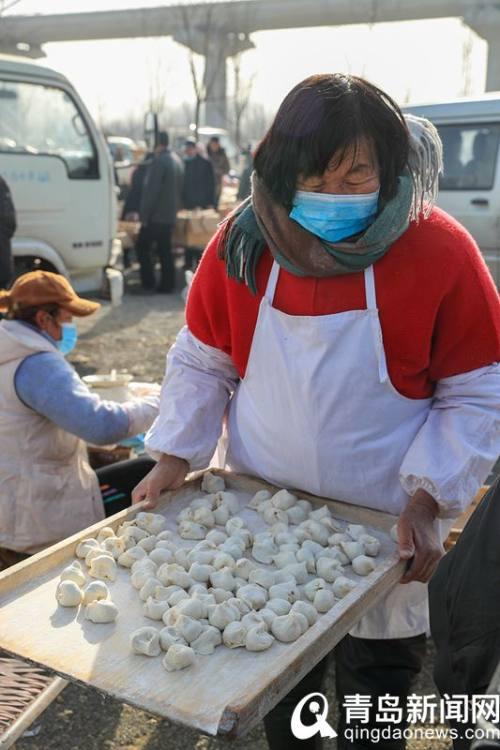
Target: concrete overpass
221	29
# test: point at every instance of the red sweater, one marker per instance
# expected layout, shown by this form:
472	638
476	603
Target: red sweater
438	306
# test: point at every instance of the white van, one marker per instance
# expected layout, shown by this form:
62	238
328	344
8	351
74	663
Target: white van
470	185
59	170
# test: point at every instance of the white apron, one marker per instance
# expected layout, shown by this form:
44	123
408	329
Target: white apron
317	411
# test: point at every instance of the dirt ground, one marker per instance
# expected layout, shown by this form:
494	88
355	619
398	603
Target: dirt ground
136	336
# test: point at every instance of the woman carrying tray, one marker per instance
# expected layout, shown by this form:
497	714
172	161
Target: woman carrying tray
346	334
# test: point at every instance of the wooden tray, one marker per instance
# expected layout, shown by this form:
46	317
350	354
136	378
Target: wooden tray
226	693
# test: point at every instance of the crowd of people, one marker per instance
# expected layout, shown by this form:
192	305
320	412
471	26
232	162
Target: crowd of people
342	338
162	185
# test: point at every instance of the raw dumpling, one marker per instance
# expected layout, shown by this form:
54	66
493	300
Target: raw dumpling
352	549
145	641
212	483
278	606
234	635
114	544
296	514
298	570
103	567
207	641
96	552
255	596
265	551
178	657
323	600
363	565
268	615
160	556
371	544
328	569
216	536
262	577
95	591
220	615
223	579
199	572
223	560
220	595
74	573
355	530
189	628
258	639
308	610
283	500
69	594
149	588
154	608
343	586
243	568
227	500
272	515
130	556
83	548
287	591
153	523
191	530
101	611
205	517
192	608
169	636
307	556
258	498
287	628
312	587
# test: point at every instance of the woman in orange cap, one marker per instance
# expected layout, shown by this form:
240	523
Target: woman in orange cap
48	490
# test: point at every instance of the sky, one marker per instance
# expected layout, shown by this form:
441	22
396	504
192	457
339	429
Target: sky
419	61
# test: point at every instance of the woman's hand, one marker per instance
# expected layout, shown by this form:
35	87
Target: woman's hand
418	538
168	474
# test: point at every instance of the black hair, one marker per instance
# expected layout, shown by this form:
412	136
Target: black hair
326	115
163	139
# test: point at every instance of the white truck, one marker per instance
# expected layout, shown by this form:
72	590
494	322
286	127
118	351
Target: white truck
470	185
59	170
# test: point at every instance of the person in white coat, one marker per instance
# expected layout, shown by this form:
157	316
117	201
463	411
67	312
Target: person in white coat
343	338
48	490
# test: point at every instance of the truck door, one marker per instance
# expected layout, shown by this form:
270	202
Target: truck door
470	185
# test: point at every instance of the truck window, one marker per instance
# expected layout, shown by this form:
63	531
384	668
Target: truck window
44	120
470	156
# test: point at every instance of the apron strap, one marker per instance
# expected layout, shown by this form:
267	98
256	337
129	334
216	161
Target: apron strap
371	297
272	282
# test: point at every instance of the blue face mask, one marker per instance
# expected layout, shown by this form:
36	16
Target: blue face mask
334	217
69	338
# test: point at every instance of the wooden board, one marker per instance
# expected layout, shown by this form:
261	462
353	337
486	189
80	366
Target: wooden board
226	693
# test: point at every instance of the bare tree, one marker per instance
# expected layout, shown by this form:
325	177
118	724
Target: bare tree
202	37
6	5
241	96
158	75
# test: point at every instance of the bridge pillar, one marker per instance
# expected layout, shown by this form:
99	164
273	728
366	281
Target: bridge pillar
486	23
216	45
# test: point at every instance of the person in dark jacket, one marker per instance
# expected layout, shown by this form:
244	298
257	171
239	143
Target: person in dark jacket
199	180
220	162
132	204
158	210
8	226
464	609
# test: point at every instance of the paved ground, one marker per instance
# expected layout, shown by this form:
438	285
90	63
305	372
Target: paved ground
136	337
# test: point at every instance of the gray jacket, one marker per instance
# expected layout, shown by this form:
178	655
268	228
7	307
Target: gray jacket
162	189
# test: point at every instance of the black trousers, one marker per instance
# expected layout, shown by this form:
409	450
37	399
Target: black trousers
119	479
369	667
151	238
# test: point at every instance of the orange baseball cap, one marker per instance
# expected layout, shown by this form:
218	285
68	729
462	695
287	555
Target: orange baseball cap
42	288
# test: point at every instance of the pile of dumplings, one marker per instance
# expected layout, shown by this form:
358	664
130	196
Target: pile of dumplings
228	587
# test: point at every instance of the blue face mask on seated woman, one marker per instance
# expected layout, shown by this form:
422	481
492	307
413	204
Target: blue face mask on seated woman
334	217
67	342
